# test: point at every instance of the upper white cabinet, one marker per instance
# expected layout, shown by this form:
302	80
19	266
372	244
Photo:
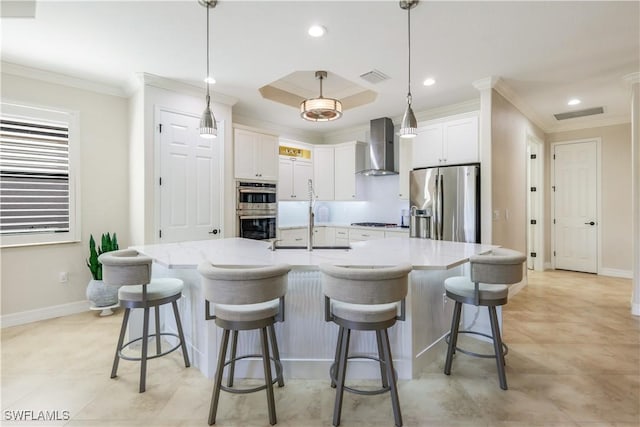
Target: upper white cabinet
448	142
294	176
323	172
349	159
255	155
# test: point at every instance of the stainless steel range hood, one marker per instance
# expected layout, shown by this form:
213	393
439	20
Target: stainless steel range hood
381	148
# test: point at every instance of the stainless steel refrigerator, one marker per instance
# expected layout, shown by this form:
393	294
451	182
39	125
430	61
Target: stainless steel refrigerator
450	197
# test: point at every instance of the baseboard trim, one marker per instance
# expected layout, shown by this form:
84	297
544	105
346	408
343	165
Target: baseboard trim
29	316
635	309
614	272
548	266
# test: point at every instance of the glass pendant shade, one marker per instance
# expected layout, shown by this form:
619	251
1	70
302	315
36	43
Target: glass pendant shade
208	125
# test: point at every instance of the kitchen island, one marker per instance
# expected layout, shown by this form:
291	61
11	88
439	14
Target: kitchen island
306	341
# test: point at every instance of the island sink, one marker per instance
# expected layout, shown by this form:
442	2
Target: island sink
314	248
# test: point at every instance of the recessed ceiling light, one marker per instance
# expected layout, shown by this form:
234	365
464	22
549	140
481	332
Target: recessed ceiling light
429	82
317	31
574	101
210	80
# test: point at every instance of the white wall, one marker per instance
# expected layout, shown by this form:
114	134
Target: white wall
30	274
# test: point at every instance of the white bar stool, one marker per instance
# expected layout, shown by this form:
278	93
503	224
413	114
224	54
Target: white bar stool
132	272
245	299
487	287
364	299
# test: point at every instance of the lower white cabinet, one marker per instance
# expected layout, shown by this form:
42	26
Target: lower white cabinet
292	237
359	235
341	236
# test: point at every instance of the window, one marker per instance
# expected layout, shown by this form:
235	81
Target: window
38	176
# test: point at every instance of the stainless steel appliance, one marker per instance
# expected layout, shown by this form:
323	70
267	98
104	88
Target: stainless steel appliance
449	196
380	148
256	210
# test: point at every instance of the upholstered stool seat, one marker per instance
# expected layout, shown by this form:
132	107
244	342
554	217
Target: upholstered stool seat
486	287
131	271
244	299
364	299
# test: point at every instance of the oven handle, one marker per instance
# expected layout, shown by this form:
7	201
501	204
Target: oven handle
265	216
257	191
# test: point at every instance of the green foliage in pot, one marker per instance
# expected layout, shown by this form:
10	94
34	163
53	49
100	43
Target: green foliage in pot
108	244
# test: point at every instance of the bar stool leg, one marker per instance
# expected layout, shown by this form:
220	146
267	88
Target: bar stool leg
276	353
232	366
123	328
336	358
156	311
145	344
497	345
266	362
395	401
213	409
453	337
342	373
383	368
183	343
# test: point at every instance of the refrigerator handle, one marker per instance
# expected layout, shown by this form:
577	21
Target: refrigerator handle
436	210
440	209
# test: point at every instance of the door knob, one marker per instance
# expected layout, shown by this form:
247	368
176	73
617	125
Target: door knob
590	223
214	231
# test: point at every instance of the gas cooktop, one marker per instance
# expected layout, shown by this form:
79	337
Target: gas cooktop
374	224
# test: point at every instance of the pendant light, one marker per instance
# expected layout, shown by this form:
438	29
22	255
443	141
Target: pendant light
208	126
409	125
320	109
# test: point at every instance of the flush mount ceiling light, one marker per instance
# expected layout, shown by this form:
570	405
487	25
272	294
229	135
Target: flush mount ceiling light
429	82
409	125
574	101
321	109
317	31
208	126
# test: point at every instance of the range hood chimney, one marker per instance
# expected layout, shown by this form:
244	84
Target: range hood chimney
381	148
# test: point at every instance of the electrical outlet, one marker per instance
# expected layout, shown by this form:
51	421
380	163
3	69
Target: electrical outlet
63	277
496	215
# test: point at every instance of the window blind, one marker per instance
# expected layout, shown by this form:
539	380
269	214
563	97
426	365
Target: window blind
34	176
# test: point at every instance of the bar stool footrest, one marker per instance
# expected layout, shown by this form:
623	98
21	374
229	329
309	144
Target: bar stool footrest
164	353
234	390
505	349
333	375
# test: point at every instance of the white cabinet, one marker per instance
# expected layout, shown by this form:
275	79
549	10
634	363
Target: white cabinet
448	142
359	235
404	166
294	175
324	236
323	172
396	233
349	159
255	155
341	236
292	237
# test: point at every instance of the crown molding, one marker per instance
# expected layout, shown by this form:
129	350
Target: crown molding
486	83
632	78
505	90
61	79
141	79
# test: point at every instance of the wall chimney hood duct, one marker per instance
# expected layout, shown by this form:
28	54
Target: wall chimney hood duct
381	148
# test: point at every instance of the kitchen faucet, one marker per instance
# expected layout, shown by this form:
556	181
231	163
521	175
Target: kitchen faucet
310	226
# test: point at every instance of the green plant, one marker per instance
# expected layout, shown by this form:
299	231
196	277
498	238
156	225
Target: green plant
108	244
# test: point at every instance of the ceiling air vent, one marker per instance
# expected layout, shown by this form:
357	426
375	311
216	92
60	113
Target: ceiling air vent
579	113
374	76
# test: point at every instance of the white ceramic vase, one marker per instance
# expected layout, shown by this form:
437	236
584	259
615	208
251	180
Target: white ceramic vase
101	294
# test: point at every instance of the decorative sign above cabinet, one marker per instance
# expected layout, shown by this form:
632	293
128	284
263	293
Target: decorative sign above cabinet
295	152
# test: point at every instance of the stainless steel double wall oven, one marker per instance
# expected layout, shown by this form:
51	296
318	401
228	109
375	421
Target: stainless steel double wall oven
256	210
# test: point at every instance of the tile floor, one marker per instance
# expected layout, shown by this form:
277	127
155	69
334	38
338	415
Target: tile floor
574	360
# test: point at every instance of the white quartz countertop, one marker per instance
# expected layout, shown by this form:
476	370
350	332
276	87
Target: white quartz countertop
424	254
340	225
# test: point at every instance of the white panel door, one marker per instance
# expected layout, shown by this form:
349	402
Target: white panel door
576	222
190	196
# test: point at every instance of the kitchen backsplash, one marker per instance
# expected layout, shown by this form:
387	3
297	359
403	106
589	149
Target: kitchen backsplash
379	203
